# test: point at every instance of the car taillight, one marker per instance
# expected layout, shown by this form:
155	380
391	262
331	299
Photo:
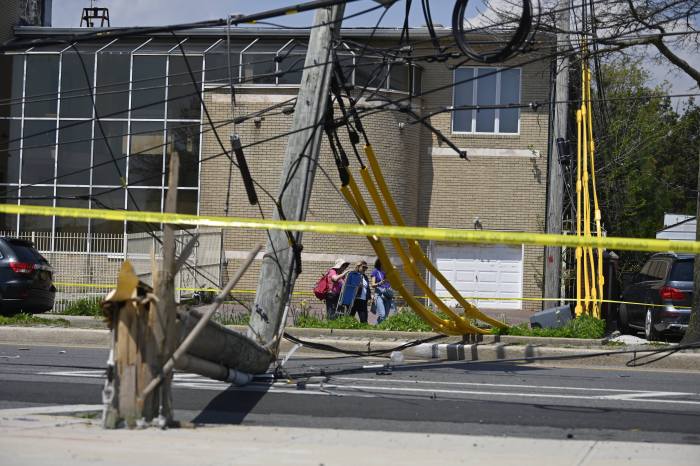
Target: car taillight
671	294
24	268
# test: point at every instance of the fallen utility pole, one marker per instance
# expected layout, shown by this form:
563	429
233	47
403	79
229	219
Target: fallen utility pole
555	178
280	263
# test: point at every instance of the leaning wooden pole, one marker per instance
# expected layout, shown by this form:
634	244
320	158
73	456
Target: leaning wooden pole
279	267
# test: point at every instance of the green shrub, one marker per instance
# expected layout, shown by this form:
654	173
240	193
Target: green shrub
581	327
83	307
342	322
405	321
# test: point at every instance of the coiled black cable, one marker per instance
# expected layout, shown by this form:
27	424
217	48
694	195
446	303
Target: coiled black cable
519	39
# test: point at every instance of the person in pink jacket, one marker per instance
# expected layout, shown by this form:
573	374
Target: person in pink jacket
337	274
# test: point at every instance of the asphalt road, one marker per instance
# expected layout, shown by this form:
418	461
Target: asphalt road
459	398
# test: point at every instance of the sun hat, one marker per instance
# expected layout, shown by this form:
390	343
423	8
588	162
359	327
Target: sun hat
339	262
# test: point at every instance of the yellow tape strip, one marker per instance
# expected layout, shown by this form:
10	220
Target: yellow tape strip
346	229
398	296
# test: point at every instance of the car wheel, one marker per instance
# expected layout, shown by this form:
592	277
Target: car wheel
623	320
649	330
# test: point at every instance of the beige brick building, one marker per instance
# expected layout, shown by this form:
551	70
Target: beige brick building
501	185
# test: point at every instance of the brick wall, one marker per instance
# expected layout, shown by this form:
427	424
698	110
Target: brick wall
437	190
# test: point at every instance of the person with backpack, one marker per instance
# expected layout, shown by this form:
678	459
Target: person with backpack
333	284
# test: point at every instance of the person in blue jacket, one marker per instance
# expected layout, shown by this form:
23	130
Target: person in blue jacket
363	295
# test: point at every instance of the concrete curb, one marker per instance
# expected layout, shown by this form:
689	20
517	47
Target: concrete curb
479	352
374	335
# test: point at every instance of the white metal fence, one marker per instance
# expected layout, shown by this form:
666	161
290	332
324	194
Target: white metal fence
203	266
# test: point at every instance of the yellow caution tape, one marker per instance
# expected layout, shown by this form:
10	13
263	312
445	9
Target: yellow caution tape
398	296
345	229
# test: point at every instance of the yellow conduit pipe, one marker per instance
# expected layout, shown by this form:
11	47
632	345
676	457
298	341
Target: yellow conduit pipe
408	263
417	252
354	198
579	251
596	206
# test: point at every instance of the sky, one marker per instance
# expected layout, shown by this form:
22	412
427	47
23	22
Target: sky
66	13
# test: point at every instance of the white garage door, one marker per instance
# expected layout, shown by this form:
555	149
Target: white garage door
482	271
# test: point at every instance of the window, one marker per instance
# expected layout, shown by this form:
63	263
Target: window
39	152
9	150
486	87
113	84
11	85
36	195
75	87
146	156
682	271
148	94
183	101
74	152
41	86
184	138
71	197
107	199
109	166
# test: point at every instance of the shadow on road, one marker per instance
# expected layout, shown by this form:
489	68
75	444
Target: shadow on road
231	406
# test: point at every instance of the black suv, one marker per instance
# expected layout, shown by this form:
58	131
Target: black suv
26	278
663	293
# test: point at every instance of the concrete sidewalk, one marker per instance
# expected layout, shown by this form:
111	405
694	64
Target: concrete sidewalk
29	437
553	351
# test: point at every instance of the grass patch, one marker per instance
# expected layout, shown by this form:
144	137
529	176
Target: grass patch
28	320
83	307
405	320
232	318
581	327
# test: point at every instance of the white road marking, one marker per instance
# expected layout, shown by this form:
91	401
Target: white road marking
194	381
486	384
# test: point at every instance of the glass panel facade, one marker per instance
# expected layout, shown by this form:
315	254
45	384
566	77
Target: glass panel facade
71	197
112	199
146	156
148	94
75	85
148	200
109	155
113	83
183	138
74	143
8	195
10	133
11	89
41	86
183	102
39	151
36	195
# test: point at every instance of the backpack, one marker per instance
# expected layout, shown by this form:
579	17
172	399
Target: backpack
323	286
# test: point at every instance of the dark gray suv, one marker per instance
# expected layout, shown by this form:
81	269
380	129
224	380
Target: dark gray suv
662	292
26	278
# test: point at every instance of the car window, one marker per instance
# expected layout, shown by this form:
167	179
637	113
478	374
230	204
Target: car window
682	271
651	272
644	273
26	253
661	270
